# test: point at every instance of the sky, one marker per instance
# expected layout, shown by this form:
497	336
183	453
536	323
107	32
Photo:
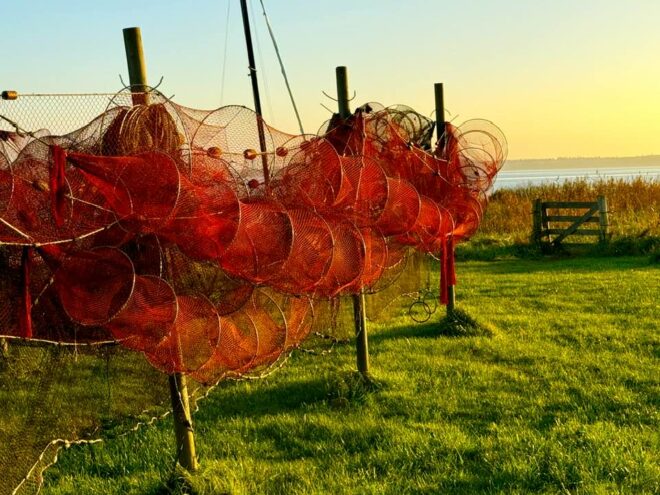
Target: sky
561	78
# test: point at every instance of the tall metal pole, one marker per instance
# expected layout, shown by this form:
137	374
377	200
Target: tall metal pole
255	90
185	439
359	306
442	141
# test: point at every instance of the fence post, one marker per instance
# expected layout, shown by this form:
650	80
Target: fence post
537	213
137	68
359	306
603	219
185	440
183	431
442	141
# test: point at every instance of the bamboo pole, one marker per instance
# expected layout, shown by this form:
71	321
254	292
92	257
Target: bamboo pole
359	305
442	141
343	102
137	69
185	439
183	430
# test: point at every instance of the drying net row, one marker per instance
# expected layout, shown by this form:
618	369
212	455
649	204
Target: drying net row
207	241
203	239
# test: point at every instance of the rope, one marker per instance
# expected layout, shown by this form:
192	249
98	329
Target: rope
25	95
262	68
279	58
224	57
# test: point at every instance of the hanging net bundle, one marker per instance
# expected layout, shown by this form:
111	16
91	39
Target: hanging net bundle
185	236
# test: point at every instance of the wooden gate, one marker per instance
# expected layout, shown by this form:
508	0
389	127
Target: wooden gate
552	224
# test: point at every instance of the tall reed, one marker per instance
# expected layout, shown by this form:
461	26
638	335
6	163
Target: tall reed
634	206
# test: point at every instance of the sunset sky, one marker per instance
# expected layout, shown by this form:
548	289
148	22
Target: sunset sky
561	78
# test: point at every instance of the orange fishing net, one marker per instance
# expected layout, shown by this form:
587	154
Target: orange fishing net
167	229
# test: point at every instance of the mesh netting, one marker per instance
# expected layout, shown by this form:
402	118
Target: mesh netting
169	231
113	218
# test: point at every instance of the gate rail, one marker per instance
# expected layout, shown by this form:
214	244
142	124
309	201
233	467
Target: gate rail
547	214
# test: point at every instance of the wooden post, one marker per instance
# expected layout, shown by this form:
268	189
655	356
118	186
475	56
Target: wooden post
359	306
341	74
536	219
137	69
440	115
361	339
185	440
603	219
183	430
442	141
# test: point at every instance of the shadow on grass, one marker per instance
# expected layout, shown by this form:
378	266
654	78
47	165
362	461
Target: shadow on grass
455	325
233	401
498	249
413	331
566	264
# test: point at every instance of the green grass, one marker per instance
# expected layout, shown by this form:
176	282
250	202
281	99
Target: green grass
51	392
561	396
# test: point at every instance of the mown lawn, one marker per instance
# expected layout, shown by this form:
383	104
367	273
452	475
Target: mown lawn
563	398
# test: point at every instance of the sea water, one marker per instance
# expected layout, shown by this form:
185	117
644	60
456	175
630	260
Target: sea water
522	177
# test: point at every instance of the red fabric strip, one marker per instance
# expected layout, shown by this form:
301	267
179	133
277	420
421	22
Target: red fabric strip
444	283
451	269
25	317
57	184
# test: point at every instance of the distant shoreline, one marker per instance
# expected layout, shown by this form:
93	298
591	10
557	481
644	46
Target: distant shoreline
521	174
641	162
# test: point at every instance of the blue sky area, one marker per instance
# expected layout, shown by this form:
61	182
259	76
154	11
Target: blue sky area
561	78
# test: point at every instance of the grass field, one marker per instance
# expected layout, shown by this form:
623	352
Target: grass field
564	397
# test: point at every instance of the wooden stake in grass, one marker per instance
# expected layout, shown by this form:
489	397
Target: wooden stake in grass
183	430
137	69
185	439
359	306
440	133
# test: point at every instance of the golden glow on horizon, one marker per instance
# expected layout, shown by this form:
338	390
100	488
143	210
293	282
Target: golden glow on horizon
615	118
560	78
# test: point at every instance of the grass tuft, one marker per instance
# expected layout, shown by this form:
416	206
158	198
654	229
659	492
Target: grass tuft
458	323
350	387
178	484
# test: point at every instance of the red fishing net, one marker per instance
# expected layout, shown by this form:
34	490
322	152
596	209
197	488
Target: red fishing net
156	226
172	232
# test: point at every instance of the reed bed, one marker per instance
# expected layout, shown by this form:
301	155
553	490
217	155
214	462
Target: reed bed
634	206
